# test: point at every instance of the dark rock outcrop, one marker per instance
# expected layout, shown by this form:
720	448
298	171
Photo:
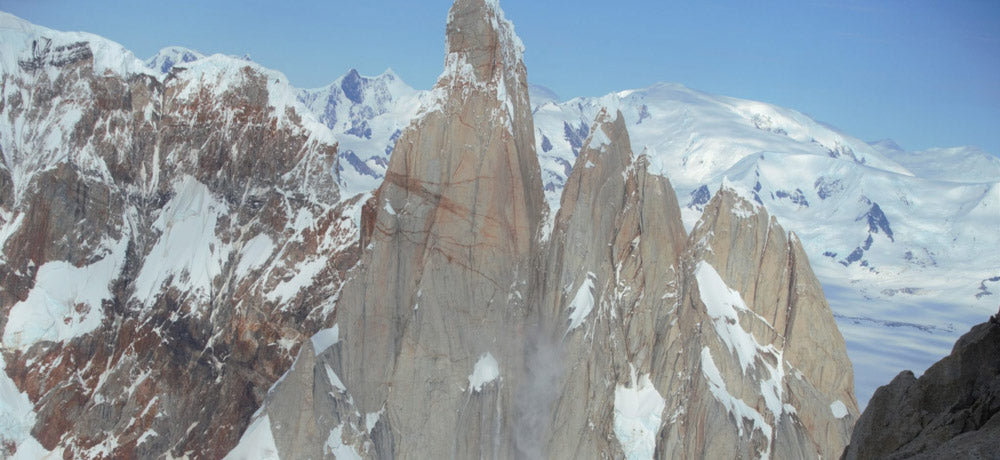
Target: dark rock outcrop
952	411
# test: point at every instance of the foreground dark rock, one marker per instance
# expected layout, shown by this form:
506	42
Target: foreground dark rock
952	411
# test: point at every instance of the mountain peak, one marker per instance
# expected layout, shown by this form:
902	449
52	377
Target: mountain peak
886	145
168	57
480	36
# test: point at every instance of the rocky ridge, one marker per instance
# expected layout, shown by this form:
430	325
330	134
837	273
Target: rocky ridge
168	241
200	216
468	331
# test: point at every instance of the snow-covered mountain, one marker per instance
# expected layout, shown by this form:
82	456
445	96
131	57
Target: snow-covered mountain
167	243
367	114
168	57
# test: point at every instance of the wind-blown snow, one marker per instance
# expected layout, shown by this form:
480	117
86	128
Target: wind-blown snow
66	301
485	371
582	303
638	416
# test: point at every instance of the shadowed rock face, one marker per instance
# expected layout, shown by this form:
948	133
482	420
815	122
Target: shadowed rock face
952	411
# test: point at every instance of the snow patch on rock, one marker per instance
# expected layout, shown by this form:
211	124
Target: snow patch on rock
838	409
17	417
66	301
638	415
723	305
335	445
255	253
582	303
334	379
598	139
188	255
735	406
485	371
325	339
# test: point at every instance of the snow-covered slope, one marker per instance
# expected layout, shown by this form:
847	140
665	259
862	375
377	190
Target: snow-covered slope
955	164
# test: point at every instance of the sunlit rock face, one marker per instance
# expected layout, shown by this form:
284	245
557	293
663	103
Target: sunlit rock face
186	273
472	328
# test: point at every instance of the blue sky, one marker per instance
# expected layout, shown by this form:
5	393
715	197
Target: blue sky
925	73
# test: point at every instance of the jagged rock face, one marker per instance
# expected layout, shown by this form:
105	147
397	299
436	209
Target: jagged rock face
443	290
665	355
952	411
208	225
760	345
611	281
167	244
464	333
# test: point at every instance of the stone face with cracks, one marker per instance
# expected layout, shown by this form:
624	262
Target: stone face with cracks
606	339
448	272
